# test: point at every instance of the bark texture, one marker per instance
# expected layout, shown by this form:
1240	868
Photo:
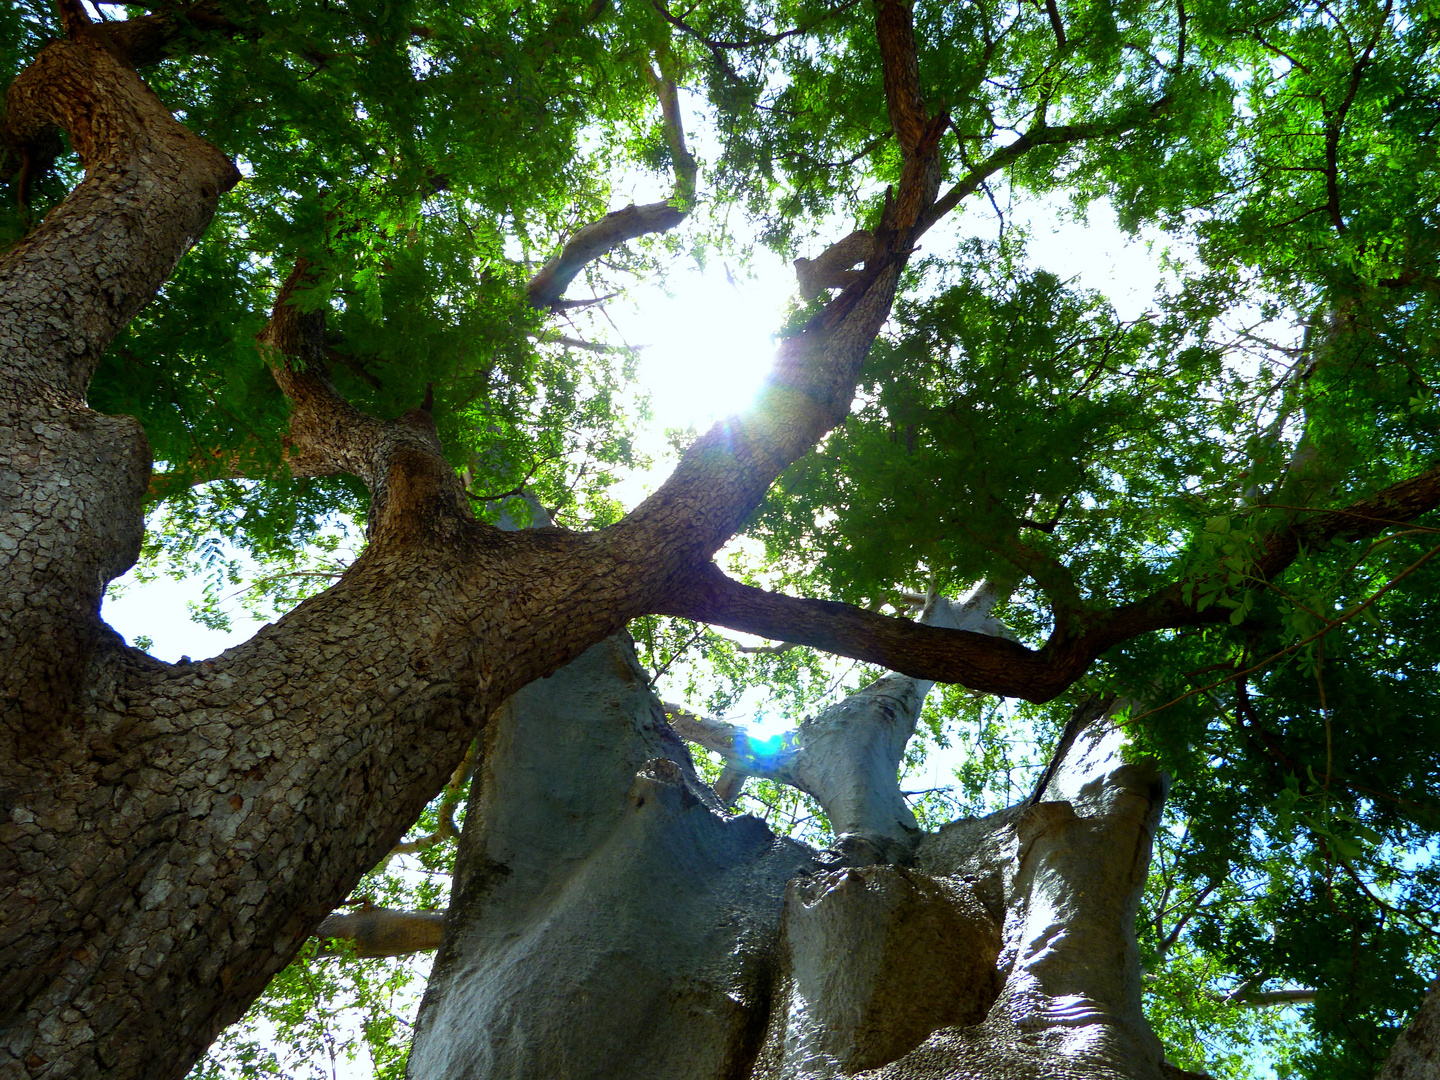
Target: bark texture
608	920
173	833
1416	1054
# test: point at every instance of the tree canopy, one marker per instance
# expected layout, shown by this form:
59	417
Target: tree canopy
1221	510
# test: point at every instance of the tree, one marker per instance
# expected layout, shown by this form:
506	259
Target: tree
1162	502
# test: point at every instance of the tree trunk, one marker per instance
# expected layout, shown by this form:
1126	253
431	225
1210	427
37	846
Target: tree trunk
608	919
1416	1054
172	834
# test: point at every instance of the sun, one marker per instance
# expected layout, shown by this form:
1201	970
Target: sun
708	344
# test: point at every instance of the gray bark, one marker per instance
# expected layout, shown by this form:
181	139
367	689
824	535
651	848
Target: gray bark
609	919
848	757
605	914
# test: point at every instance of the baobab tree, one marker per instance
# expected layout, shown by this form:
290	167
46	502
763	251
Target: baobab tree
292	255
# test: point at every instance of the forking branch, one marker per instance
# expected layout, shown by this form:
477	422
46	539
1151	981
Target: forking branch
848	757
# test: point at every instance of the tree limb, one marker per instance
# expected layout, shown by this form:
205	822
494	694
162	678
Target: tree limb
848	757
1040	134
400	461
380	931
725	474
445	813
999	666
547	288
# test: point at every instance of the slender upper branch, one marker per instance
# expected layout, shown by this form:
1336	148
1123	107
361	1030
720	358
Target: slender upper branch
1040	134
546	288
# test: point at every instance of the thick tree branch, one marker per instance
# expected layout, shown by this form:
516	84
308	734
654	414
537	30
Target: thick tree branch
148	39
996	665
400	461
68	288
139	42
547	288
895	32
67	526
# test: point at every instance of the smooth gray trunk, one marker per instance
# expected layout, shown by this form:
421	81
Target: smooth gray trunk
609	918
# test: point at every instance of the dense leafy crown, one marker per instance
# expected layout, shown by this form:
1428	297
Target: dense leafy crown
427	157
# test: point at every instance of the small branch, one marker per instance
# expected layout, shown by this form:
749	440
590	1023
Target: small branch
767	650
1243	997
588	346
445	813
1334	125
1260	999
751	42
731	741
1183	20
1040	134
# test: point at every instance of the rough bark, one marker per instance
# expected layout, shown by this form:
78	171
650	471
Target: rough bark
175	832
609	920
1416	1054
